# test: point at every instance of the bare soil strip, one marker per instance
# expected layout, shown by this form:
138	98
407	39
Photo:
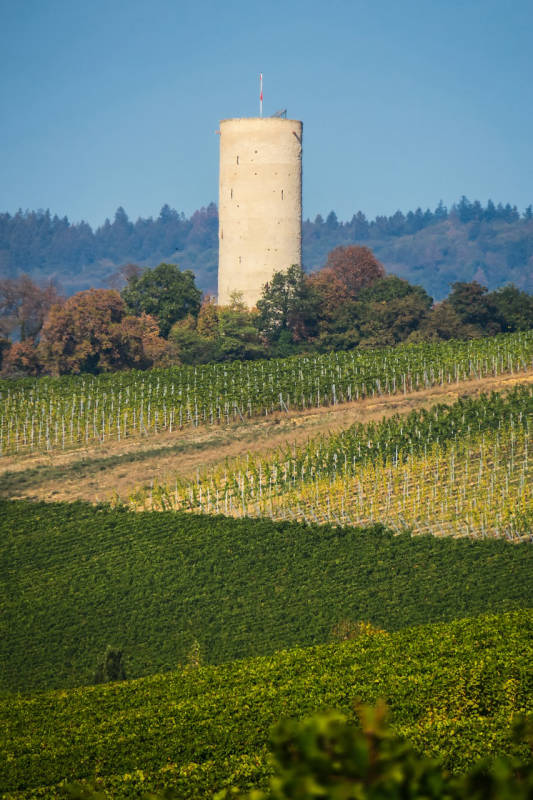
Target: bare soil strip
98	472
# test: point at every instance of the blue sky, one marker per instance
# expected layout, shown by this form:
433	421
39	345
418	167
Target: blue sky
116	102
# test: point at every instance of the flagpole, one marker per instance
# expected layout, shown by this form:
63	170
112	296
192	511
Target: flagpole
260	94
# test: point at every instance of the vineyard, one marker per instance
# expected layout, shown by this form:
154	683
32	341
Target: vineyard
47	414
452	689
271	585
463	469
75	578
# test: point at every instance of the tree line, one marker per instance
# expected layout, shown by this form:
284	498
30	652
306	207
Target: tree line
492	243
159	317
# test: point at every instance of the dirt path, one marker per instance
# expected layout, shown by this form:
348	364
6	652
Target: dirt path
97	473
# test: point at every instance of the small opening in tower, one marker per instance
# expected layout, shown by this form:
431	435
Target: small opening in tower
282	194
237	159
231	193
240	259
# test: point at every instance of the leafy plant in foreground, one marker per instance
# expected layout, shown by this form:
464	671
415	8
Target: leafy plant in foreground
327	756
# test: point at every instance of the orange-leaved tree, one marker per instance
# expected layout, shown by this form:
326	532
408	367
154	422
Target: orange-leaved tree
91	332
347	271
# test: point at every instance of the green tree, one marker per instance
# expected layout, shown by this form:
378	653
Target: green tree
189	346
513	308
443	322
221	333
287	308
165	292
238	337
474	306
111	667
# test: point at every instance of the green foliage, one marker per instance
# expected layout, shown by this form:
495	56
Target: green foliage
347	629
191	347
513	308
452	689
287	306
221	333
111	667
327	756
238	336
75	577
470	301
165	292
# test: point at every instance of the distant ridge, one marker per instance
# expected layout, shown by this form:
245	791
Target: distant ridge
492	244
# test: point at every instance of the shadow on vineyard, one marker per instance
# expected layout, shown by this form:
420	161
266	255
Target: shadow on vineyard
77	577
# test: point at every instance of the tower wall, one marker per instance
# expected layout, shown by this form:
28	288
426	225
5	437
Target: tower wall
260	203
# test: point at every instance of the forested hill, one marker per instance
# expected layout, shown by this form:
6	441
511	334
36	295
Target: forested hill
491	244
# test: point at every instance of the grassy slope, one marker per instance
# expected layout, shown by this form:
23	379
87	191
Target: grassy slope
452	689
76	578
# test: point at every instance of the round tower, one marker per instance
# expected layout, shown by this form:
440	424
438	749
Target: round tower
260	203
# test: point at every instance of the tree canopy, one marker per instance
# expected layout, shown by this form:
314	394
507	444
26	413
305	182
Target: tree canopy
165	292
91	332
287	306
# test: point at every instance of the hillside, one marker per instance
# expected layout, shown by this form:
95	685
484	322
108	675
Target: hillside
405	471
492	244
78	577
452	690
74	411
228	624
105	470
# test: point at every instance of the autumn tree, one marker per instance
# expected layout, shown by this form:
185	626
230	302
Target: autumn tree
91	332
208	321
21	358
141	346
349	269
24	305
337	287
166	293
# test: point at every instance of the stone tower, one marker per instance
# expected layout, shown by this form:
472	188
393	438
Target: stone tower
260	204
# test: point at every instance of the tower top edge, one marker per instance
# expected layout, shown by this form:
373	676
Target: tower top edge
271	120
